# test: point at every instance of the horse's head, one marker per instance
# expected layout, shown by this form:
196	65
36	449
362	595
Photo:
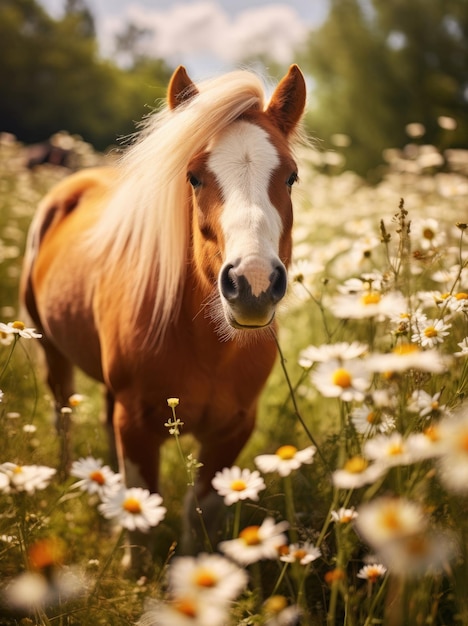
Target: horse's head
241	197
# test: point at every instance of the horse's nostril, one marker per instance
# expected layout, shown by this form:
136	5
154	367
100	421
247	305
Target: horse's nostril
228	283
279	283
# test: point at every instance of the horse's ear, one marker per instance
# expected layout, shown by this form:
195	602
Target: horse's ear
181	88
288	100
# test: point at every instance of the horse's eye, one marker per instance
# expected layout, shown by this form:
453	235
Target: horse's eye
193	180
292	179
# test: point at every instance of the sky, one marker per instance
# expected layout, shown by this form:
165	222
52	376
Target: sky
207	36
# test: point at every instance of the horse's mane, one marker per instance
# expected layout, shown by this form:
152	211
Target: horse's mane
144	229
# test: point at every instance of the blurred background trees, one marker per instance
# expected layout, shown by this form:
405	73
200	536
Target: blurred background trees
52	78
379	65
375	66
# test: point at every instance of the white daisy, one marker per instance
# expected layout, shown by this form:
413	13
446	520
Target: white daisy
278	613
372	573
342	351
190	610
134	508
210	574
431	333
95	477
427	233
256	542
362	285
406	357
419	553
386	519
370	304
286	459
456	302
425	445
347	381
368	420
389	450
19	328
452	436
423	403
356	473
29	478
303	553
343	515
6	338
404	320
235	484
76	399
463	345
4	482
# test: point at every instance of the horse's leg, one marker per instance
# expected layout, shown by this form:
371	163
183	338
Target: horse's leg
138	453
109	423
215	454
61	382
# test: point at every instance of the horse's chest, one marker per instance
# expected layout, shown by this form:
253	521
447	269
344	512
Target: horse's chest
212	392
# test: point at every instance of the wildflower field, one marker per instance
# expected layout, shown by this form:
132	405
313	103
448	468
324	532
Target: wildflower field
348	506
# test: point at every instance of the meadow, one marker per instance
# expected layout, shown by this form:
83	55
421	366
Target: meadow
349	504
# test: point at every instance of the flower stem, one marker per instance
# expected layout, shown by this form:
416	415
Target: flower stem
106	566
294	401
290	509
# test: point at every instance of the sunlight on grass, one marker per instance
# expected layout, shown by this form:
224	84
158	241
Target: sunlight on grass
352	491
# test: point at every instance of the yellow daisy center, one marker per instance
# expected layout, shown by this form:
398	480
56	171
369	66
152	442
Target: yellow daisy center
371	417
275	604
356	465
371	298
395	449
18	470
205	578
132	505
97	477
428	233
373	574
238	485
391	520
186	607
341	378
430	331
250	535
18	325
405	348
461	296
432	434
299	554
286	453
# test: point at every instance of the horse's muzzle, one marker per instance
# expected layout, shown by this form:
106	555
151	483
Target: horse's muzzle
250	299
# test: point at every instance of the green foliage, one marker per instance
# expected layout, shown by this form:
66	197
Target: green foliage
380	65
53	78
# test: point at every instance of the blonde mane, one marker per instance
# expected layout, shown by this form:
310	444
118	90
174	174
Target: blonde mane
144	229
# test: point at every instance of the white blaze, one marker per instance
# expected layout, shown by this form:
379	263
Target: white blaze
243	160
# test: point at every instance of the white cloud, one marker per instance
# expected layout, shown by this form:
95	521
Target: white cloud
204	30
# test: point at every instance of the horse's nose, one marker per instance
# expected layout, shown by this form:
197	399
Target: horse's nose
239	285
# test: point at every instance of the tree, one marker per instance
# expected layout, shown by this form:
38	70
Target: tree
381	65
53	78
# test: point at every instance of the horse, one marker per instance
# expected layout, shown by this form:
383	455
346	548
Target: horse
160	275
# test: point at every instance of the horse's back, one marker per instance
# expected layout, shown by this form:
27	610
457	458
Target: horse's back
56	272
